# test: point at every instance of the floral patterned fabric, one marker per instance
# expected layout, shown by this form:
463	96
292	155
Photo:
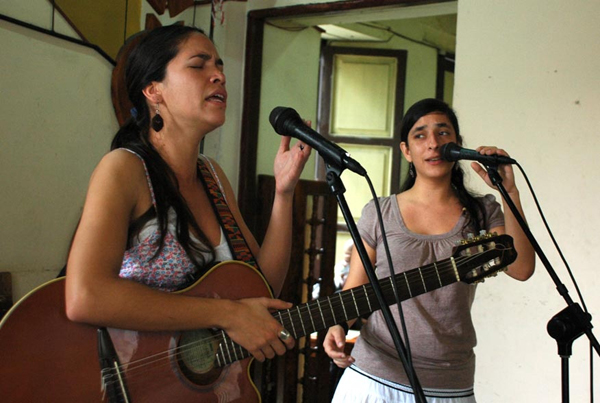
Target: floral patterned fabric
172	269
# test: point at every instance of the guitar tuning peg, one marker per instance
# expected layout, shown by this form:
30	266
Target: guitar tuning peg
482	232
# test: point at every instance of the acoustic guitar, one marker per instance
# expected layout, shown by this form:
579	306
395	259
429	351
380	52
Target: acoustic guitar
44	357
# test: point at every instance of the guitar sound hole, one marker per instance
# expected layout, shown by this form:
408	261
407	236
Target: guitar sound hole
196	356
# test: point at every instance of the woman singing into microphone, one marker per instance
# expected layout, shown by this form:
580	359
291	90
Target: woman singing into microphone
423	223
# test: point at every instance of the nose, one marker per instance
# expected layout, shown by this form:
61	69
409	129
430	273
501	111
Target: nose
433	142
218	77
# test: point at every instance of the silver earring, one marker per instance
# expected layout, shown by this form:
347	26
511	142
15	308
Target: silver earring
411	170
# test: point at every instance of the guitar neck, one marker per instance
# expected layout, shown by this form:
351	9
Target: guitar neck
325	312
350	304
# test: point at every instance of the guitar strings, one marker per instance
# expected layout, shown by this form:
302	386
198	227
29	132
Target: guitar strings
185	347
428	272
307	308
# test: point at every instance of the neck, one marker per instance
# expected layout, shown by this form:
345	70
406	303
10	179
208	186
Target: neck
432	189
180	152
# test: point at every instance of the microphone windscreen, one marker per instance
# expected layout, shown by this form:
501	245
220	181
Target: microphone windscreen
279	116
449	151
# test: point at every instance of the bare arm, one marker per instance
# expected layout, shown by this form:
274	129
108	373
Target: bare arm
274	254
523	268
95	293
335	340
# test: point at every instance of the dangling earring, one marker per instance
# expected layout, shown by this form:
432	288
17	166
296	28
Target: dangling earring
157	121
411	170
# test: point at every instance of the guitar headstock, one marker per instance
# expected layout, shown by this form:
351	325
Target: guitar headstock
483	256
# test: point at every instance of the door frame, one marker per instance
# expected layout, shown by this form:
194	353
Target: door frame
247	181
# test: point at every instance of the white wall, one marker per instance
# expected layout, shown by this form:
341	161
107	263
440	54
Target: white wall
57	122
527	80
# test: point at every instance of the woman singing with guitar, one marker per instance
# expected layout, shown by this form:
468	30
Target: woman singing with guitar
155	217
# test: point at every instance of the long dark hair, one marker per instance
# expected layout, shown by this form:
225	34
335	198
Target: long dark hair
146	63
475	208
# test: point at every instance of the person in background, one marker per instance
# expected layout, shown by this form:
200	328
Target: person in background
423	223
149	224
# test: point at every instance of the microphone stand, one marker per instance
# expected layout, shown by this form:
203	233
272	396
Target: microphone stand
337	188
570	323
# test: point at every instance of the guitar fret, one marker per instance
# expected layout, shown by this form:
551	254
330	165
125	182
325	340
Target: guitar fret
407	285
301	321
219	363
355	304
367	295
332	311
455	269
437	272
343	307
280	317
234	352
310	316
223	351
243	353
321	312
226	346
422	280
292	323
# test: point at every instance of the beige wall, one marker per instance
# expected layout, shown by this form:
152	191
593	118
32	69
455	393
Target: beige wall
533	88
57	121
290	78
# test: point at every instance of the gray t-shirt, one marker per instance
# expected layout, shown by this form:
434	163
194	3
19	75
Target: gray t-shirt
440	328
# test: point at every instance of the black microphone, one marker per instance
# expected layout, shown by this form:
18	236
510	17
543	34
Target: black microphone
287	122
454	152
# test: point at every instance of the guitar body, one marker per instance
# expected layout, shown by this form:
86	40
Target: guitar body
44	357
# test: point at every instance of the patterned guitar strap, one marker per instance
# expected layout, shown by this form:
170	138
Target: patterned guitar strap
235	238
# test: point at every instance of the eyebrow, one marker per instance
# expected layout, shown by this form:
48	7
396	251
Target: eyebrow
207	57
441	124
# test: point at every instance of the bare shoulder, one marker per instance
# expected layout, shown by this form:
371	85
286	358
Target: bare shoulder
121	173
122	160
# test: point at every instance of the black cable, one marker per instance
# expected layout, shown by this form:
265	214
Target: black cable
569	271
392	272
403	351
552	237
394	33
290	29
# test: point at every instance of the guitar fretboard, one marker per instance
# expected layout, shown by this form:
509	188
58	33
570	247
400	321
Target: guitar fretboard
476	263
325	312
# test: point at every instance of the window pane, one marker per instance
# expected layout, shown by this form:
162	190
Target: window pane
377	160
364	90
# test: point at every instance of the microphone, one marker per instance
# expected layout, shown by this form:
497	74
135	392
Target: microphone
454	152
287	122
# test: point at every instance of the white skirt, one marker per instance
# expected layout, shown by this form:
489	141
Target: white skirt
358	386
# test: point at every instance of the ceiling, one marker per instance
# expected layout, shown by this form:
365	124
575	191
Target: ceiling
433	24
436	31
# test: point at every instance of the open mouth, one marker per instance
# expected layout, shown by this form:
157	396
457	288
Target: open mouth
217	98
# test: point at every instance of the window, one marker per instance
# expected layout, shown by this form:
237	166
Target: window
361	104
